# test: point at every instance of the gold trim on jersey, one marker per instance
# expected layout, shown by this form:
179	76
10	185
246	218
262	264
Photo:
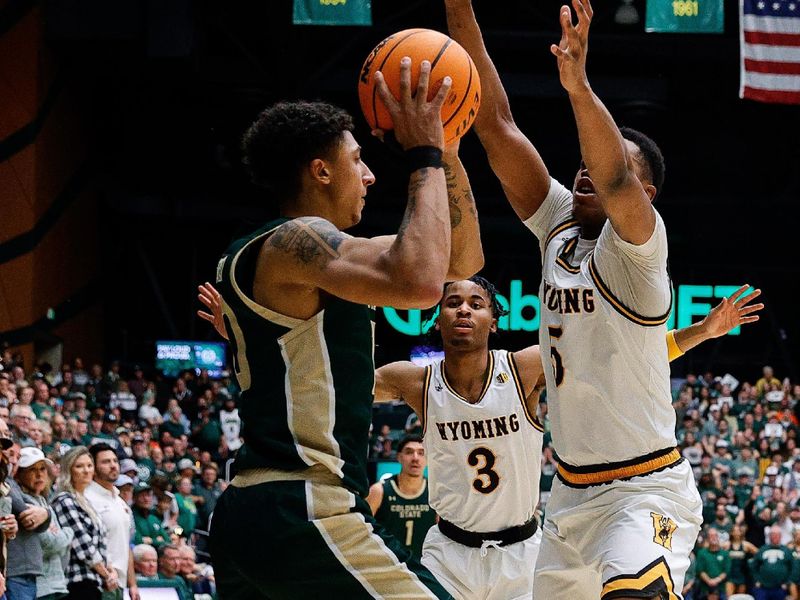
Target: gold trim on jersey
406	496
571	222
317	474
426	385
561	259
486	384
597	474
626	312
655	579
532	419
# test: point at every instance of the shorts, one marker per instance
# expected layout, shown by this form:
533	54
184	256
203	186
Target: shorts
489	573
626	538
298	540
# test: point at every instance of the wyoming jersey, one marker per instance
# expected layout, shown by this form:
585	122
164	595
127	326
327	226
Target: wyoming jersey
611	404
306	384
484	459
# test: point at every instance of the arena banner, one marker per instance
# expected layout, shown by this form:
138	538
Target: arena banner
684	16
332	12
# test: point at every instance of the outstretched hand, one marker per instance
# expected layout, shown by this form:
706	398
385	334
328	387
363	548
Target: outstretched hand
209	296
733	311
417	121
571	49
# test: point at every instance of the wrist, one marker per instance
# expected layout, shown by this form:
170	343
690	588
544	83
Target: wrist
422	157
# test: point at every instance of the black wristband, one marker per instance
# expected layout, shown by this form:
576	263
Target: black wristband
421	157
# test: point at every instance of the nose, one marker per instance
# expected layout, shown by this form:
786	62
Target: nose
463	309
368	178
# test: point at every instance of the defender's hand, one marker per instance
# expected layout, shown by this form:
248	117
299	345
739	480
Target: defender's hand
571	50
732	312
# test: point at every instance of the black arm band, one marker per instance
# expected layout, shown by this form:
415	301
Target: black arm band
421	157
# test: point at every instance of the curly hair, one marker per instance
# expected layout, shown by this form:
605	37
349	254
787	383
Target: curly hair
285	138
429	315
653	159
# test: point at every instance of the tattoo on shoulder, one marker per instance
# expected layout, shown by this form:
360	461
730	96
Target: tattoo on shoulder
309	240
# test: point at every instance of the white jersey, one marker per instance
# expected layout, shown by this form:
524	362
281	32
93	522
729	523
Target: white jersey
483	458
231	424
604	305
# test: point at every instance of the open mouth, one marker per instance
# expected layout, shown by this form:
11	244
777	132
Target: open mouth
584	187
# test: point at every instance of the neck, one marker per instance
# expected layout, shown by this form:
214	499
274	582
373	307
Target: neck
105	484
466	371
410	484
80	487
310	203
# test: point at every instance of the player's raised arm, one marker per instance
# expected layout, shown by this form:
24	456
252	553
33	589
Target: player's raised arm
512	156
607	156
402	380
466	251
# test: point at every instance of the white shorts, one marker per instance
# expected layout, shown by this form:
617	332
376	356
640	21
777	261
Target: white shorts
621	539
504	573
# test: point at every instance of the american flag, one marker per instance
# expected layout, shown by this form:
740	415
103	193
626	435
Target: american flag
770	49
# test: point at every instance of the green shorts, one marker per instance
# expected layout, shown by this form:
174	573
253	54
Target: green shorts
298	540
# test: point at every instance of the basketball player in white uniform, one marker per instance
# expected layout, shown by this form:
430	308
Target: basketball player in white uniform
484	443
624	511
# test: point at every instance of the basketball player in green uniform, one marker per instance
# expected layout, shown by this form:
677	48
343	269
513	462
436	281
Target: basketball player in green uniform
297	299
400	502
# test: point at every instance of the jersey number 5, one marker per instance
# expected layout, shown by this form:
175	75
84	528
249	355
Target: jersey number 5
555	357
487	480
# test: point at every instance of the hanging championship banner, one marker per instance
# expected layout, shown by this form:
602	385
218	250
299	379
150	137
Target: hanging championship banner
684	16
332	12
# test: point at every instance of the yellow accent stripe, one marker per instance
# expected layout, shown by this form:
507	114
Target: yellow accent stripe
425	387
520	390
634	470
566	266
316	474
621	308
673	350
559	228
638	583
486	384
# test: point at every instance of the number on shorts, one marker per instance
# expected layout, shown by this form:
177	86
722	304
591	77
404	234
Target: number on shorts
487	480
555	356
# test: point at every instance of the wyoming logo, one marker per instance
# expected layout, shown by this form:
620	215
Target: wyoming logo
663	528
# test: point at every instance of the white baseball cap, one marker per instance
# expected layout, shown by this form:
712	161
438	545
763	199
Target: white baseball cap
31	455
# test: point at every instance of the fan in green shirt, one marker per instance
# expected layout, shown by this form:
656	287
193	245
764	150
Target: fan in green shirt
712	565
772	565
147	526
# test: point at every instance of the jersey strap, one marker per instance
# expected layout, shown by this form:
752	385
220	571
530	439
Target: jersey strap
589	475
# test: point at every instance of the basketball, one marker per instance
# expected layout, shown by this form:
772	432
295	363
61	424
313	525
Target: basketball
446	56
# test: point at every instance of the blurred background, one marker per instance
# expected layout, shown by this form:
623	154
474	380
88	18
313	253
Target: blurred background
121	183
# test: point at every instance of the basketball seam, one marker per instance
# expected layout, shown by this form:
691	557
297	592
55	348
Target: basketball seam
441	52
385	58
464	98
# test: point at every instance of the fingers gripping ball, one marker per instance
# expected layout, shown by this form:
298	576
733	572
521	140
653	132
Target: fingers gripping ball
446	56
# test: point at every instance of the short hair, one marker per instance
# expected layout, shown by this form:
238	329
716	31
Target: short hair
286	137
407	440
163	549
139	551
99	447
653	158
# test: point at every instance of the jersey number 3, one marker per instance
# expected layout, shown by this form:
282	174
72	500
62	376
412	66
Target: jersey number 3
487	480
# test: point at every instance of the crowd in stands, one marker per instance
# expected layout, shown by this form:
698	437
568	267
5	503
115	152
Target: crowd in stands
75	441
108	479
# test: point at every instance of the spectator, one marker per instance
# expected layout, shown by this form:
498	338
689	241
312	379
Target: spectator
206	430
125	401
8	522
125	486
231	424
34	480
198	580
88	571
713	565
145	467
206	493
21	418
771	568
740	552
768	379
169	563
145	562
138	384
148	529
174	423
148	413
116	516
690	579
187	511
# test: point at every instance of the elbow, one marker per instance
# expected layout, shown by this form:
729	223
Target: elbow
422	290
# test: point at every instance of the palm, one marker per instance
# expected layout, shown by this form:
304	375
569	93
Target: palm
733	311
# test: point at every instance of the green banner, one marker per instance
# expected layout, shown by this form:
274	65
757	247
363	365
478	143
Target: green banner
684	16
332	12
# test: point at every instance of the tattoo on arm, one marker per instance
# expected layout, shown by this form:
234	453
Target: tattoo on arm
418	180
452	196
309	240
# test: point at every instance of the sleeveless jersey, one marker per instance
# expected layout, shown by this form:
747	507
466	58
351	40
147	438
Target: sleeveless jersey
407	518
484	459
604	305
307	385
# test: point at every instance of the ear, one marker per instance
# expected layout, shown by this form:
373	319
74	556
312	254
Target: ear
650	190
493	328
320	171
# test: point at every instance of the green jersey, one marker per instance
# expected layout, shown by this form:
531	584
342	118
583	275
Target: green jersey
307	385
407	518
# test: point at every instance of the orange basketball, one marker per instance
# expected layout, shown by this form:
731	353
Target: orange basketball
446	56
